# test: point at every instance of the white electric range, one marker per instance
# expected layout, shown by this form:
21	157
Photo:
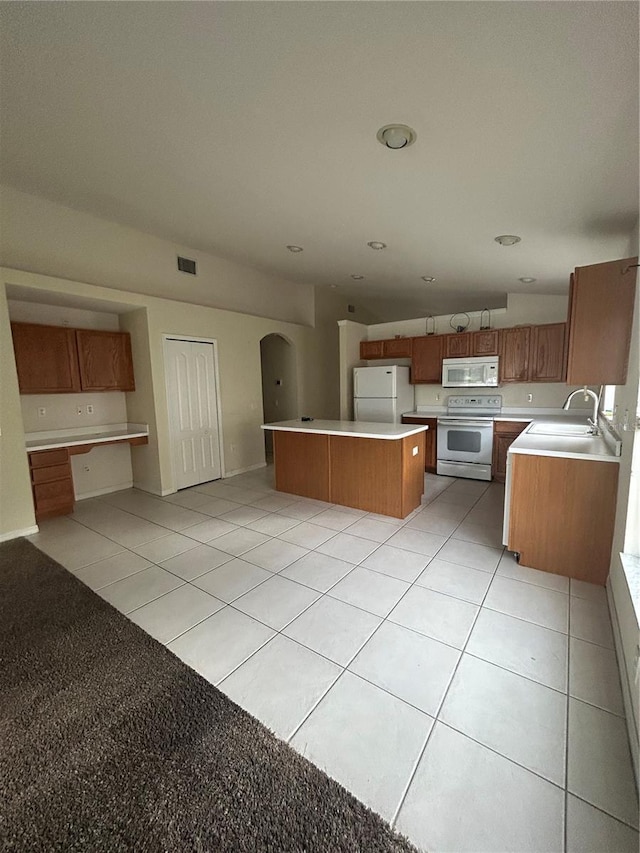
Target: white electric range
465	436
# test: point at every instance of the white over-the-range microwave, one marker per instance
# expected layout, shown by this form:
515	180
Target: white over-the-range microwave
478	372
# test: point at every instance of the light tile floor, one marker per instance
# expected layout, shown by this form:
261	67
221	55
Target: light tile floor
472	702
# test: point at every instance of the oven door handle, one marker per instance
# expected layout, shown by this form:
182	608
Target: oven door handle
463	423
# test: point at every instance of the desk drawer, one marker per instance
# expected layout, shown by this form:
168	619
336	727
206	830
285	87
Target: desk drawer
53	498
43	458
51	473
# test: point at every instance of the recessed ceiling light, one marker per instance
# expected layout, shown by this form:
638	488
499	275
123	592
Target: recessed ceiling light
428	278
507	239
376	244
295	249
334	286
527	279
396	136
357	277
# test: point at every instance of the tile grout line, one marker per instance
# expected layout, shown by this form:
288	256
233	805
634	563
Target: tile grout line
438	711
565	828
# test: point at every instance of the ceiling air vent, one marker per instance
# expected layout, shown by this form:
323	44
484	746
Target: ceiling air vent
186	265
351	309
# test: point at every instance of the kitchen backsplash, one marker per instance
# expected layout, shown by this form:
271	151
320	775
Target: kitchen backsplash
61	410
545	395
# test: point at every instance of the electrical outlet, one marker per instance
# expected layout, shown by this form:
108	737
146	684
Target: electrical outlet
529	398
79	410
42	412
86	468
89	410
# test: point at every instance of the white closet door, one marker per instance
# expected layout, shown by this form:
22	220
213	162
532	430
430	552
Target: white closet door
193	412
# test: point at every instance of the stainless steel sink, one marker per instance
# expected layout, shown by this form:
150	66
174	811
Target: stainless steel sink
573	430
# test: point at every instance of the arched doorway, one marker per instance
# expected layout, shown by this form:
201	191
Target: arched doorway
279	383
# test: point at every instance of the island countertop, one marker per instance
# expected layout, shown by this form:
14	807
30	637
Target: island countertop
352	429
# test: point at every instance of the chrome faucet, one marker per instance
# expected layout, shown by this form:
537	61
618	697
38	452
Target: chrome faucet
593	422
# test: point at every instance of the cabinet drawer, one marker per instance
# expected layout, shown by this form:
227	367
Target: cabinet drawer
44	458
51	473
515	427
53	496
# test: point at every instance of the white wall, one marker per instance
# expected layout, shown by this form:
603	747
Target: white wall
16	504
628	518
62	315
41	236
350	336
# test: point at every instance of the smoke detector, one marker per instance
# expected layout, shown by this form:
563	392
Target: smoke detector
377	245
507	239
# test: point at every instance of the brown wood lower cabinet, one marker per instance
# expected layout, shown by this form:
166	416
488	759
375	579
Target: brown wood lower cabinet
377	475
562	513
51	482
430	440
504	434
301	462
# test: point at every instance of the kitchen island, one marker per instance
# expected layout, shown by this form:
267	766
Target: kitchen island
370	466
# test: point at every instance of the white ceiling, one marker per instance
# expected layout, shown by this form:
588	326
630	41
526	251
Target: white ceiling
241	127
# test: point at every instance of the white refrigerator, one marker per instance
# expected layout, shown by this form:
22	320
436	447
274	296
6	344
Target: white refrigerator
381	394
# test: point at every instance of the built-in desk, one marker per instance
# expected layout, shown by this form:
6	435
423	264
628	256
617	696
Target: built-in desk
374	467
50	463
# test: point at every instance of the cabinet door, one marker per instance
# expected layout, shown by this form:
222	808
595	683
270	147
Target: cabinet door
601	315
505	433
46	359
397	348
547	362
457	346
431	438
514	354
370	349
501	444
426	360
485	343
105	360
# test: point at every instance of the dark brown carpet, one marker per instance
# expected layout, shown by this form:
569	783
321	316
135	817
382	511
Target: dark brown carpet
110	743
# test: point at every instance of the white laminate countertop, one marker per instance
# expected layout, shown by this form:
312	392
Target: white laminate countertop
597	448
90	435
350	429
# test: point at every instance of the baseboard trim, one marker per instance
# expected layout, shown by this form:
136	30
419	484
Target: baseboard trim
630	720
106	491
161	493
243	470
15	534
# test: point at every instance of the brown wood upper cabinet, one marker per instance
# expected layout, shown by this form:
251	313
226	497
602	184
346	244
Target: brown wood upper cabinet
426	360
547	353
600	319
58	360
370	349
514	354
46	359
485	342
392	348
457	346
105	360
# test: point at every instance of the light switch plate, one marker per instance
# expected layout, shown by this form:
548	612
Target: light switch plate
415	451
